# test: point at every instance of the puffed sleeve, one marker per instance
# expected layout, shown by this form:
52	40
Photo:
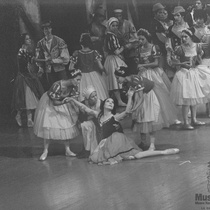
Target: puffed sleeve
54	92
113	43
64	57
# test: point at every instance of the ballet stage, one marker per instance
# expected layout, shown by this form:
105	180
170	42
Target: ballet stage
176	182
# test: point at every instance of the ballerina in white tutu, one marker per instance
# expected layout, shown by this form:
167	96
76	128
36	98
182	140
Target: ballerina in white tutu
191	84
115	146
55	119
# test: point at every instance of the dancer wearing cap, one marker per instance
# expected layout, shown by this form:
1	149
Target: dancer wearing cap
89	124
53	55
97	29
89	62
158	30
55	118
191	84
127	35
174	32
115	146
152	109
114	58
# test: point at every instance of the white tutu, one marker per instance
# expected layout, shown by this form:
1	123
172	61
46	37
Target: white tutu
112	62
55	122
191	87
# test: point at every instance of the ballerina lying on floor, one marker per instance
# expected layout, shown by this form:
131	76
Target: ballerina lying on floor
115	146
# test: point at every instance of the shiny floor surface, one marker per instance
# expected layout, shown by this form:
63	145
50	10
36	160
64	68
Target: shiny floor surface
177	182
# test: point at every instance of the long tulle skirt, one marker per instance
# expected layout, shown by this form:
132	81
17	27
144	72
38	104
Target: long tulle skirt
191	87
97	81
55	122
157	110
117	147
112	62
27	91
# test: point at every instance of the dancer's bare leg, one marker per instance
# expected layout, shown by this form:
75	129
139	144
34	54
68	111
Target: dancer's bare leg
152	142
68	153
30	122
45	152
150	153
18	118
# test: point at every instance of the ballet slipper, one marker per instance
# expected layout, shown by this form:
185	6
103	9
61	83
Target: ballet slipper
43	156
70	154
171	151
130	158
18	120
151	148
30	123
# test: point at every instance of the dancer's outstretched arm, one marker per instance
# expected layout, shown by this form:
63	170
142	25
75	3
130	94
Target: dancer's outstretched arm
128	109
83	107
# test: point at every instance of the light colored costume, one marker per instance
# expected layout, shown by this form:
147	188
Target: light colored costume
56	122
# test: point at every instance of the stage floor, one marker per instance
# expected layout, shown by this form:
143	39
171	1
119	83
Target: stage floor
177	182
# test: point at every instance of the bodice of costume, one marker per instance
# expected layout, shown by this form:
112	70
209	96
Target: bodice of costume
174	33
111	43
149	55
137	82
58	91
109	127
158	27
86	61
24	60
189	54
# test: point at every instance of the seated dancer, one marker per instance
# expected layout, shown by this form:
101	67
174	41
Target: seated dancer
89	124
153	109
55	119
115	146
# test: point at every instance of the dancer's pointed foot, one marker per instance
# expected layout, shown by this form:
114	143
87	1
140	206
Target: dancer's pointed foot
43	156
30	123
198	123
18	120
171	151
69	153
152	147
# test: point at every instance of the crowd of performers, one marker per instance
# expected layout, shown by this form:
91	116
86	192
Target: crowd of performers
149	72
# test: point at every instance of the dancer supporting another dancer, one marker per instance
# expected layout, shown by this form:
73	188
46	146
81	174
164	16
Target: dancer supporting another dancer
115	146
153	109
55	119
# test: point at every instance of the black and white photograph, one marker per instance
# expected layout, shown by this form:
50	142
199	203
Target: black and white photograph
105	105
